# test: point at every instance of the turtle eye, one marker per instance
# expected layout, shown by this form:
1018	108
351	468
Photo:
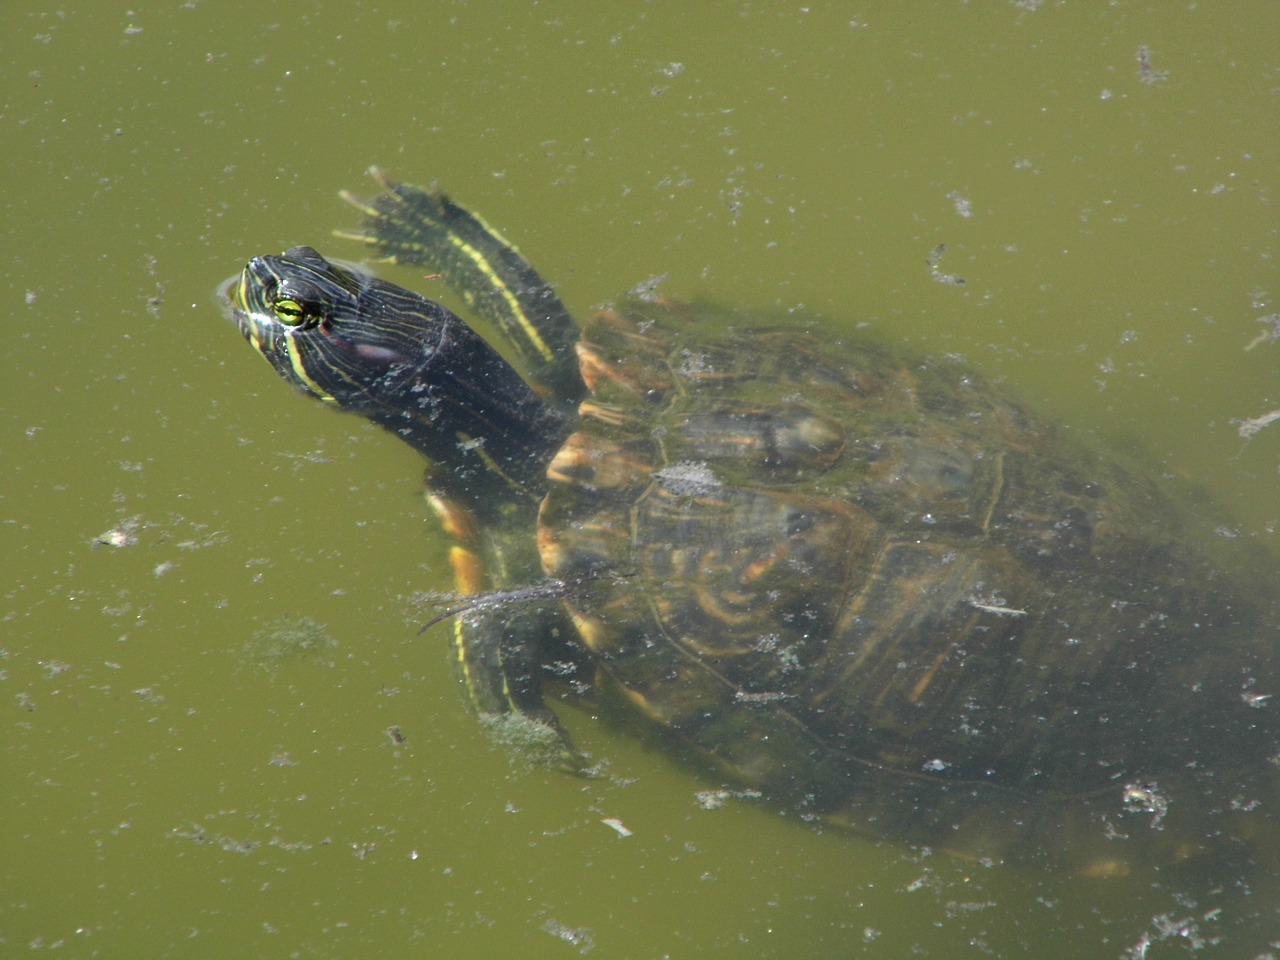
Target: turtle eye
300	304
289	312
298	314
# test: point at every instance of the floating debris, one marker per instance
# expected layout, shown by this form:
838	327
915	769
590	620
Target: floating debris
764	696
580	937
997	609
123	535
963	205
715	799
1247	428
1272	320
301	638
935	258
1145	73
1147	798
647	290
688	478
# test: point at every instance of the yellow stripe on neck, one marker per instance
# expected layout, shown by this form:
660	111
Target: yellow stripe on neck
300	371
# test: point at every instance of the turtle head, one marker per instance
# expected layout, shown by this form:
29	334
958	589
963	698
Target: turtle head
325	327
370	347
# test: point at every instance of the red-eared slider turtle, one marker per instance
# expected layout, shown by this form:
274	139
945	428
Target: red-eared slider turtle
869	585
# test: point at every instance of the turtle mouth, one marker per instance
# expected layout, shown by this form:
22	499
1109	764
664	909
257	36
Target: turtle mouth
232	296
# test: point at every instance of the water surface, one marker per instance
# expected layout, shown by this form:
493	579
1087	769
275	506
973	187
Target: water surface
179	780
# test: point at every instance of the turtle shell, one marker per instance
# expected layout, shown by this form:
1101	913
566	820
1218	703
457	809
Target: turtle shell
836	572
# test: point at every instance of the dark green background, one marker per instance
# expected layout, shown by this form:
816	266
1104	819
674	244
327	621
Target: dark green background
1121	247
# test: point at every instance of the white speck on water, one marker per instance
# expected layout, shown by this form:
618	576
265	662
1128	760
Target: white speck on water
613	823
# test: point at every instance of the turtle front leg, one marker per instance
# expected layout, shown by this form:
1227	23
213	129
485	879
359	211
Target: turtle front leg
504	643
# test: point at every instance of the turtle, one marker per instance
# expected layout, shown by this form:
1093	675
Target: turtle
867	584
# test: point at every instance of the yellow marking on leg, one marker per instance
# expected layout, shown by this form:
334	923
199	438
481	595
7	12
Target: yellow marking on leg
456	520
527	326
468	577
468	571
369	211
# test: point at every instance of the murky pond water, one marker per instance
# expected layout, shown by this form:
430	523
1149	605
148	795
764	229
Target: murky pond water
222	735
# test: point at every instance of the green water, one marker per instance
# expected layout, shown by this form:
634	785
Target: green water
173	784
